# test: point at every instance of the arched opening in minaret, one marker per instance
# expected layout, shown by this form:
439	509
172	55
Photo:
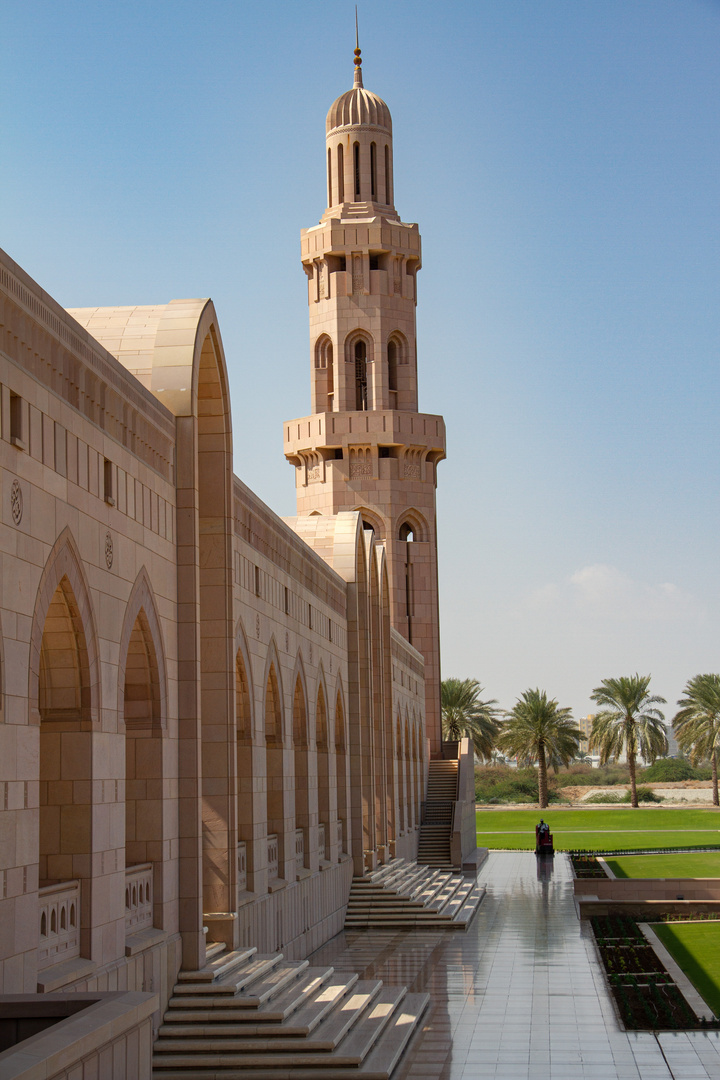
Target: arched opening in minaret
392	359
373	171
406	532
361	395
356	169
388	188
324	374
341	174
329	178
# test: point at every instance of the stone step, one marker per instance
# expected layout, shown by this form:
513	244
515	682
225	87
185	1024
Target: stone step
235	981
220	964
309	991
369	1006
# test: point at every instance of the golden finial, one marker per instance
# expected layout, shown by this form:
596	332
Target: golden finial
358	59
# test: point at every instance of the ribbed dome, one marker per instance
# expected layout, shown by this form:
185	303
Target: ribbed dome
359	106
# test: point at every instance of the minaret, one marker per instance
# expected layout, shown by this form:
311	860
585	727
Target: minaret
366	447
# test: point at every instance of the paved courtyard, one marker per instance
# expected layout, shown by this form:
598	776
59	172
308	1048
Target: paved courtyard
520	994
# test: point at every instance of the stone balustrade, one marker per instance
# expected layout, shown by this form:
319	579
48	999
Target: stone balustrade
242	866
59	916
138	898
272	855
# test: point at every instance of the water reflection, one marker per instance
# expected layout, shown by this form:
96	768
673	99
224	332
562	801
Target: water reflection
545	867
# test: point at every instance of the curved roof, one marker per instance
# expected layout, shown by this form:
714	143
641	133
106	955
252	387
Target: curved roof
358	107
156	343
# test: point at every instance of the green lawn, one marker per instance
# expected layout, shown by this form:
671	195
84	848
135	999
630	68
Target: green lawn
606	829
695	947
686	864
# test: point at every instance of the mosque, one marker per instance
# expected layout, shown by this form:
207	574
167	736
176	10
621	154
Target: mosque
213	721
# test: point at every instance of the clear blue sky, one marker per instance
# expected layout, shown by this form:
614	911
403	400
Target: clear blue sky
562	160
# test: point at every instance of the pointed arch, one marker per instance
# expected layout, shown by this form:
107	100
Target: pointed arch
142	673
412	521
360	353
372	519
400	774
322	750
244	691
279	808
341	770
64	583
304	811
274	726
324	374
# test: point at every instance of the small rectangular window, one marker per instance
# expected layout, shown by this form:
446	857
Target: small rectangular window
257	580
287	600
109	494
16	421
310	617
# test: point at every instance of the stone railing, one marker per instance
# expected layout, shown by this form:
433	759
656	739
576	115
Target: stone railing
321	841
138	898
272	855
299	849
242	866
59	914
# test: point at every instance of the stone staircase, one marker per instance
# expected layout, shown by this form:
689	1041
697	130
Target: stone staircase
263	1018
436	825
405	895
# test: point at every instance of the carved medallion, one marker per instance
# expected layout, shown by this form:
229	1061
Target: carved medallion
16	502
109	551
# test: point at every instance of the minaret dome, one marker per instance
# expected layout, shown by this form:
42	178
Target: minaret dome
359	148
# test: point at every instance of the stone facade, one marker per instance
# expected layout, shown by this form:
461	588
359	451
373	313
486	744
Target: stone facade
210	718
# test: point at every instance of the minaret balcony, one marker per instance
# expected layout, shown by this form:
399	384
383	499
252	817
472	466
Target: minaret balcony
328	432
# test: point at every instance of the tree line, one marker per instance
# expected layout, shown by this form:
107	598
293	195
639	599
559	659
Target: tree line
538	730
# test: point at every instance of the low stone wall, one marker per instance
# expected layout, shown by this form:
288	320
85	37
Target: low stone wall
646	889
300	917
110	1039
645	897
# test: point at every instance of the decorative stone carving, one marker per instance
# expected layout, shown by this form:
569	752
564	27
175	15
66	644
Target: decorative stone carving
257	626
16	502
109	553
360	468
412	471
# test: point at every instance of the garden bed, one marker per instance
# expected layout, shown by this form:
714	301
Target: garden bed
646	996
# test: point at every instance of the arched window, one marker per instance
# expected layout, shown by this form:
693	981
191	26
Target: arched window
341	174
330	197
392	357
324	374
388	186
356	168
373	171
407	532
361	396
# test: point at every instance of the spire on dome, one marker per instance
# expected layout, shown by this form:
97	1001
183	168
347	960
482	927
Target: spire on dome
358	59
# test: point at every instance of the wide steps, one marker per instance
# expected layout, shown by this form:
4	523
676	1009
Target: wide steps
378	1064
219	963
406	895
237	980
307	1001
248	1015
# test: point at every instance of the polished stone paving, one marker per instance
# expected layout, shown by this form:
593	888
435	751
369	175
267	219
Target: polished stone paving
520	993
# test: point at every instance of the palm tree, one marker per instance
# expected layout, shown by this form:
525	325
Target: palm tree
463	713
697	724
537	729
628	721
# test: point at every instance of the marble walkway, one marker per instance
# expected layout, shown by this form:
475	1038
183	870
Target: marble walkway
520	994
